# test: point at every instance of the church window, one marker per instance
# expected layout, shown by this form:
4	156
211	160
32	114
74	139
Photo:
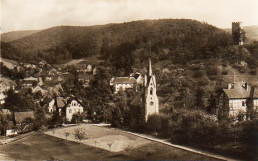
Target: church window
151	91
243	103
70	111
151	103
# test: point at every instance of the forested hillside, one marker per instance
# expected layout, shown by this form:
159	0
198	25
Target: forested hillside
165	36
15	35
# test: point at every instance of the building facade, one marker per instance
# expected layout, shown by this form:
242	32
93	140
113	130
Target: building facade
151	100
238	98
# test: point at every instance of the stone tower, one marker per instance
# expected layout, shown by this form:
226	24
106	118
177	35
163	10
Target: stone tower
237	33
151	100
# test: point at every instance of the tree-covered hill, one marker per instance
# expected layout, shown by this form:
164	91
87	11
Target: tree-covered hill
166	36
15	35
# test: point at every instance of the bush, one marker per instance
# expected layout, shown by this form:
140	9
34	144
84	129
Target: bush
193	126
198	74
213	70
154	123
253	72
224	72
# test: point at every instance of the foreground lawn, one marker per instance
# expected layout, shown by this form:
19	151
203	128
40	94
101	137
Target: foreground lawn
45	147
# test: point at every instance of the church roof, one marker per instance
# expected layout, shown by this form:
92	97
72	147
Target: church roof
125	80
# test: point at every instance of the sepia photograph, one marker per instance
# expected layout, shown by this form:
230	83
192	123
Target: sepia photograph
129	80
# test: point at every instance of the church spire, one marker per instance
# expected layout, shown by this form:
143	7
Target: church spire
149	67
149	72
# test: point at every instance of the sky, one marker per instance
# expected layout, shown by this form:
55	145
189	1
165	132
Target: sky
42	14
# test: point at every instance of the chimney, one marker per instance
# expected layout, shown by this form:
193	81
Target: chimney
229	85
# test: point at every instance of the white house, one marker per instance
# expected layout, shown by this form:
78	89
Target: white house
123	83
5	85
72	107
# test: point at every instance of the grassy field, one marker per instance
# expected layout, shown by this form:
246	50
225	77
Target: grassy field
44	146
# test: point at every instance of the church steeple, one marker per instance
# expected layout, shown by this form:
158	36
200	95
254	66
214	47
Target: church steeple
149	68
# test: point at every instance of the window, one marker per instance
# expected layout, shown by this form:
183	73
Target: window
243	103
151	91
70	111
151	103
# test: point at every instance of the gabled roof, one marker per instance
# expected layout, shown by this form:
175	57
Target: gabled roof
71	98
124	80
31	79
60	102
5	111
20	116
47	100
7	82
240	92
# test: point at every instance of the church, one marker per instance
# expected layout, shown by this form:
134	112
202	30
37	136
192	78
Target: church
148	97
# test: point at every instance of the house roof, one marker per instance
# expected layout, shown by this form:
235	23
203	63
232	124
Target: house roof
7	81
47	100
71	98
60	102
20	116
31	79
240	92
124	80
5	111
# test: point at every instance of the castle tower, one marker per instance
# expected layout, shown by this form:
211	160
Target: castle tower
151	100
237	33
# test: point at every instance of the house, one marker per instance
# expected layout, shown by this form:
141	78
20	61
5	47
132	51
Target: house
5	85
238	98
148	97
85	79
94	71
66	106
72	107
37	88
42	63
19	117
55	90
11	64
123	83
5	111
30	81
138	77
49	104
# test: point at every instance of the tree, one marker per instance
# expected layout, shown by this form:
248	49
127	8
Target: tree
110	144
154	123
56	119
80	134
40	118
199	98
66	134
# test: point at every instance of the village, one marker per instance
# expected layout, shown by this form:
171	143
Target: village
134	80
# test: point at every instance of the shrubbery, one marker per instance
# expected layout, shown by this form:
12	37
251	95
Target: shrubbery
224	72
253	72
197	127
198	74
